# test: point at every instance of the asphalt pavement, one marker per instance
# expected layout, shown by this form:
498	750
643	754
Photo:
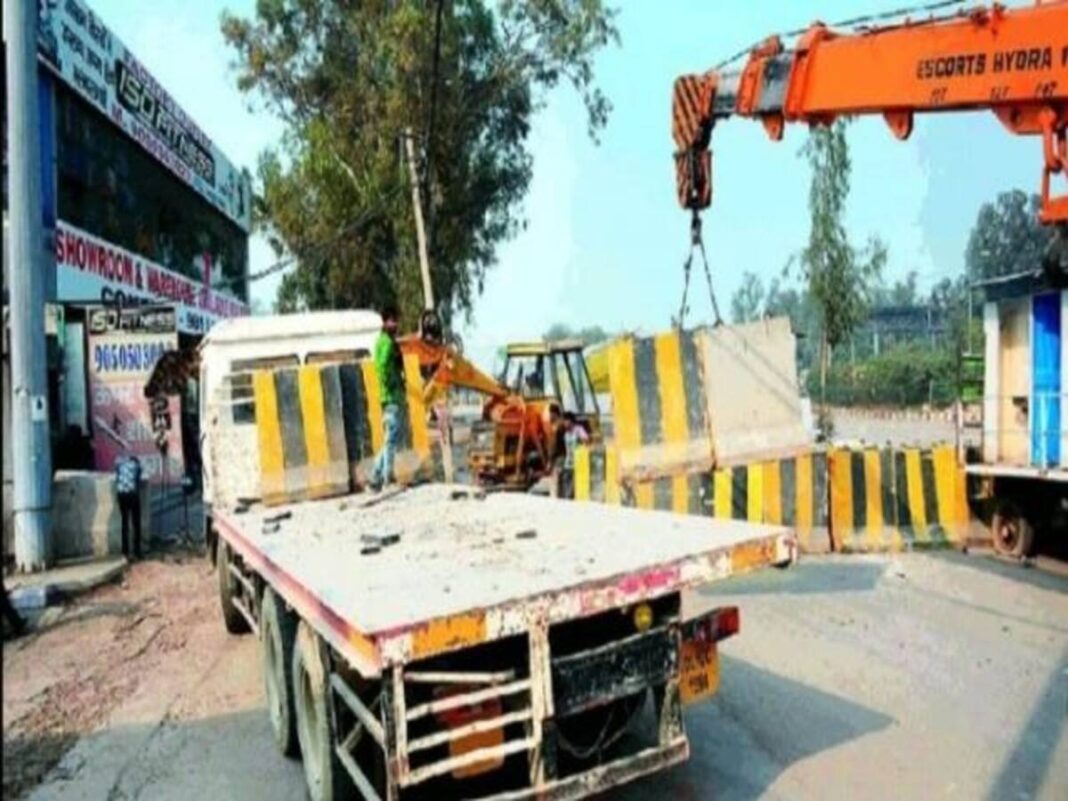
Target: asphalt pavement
916	676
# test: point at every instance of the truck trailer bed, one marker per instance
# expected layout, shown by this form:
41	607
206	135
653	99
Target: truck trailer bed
392	579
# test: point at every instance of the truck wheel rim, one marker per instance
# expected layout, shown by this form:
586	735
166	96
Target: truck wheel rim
1008	533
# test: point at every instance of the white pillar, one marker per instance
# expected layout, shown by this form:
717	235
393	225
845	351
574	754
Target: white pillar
991	382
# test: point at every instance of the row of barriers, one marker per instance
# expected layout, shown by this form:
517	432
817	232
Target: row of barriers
848	500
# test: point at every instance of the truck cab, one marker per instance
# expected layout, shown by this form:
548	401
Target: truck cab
234	349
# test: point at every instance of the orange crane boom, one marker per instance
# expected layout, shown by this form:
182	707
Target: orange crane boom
1013	62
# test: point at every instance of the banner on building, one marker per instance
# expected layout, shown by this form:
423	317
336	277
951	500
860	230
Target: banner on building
91	270
89	57
124	345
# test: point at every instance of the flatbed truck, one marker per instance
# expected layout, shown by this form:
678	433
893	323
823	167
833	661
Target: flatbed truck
439	641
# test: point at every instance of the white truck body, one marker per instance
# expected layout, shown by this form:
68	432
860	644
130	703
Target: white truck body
441	642
235	347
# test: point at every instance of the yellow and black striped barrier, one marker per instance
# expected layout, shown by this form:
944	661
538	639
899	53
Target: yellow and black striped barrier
842	500
319	425
789	492
658	403
894	499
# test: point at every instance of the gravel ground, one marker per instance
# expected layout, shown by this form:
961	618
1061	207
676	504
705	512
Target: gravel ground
918	676
84	661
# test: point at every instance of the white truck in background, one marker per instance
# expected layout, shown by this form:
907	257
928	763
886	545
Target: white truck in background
1021	472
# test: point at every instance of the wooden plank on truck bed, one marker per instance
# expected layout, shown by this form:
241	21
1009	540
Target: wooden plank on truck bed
440	567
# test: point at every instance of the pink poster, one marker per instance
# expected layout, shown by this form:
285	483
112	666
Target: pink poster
123	348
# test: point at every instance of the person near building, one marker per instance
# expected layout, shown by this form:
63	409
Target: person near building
390	369
128	490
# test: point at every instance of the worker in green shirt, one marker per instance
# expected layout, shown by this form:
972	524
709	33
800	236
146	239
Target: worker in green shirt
389	367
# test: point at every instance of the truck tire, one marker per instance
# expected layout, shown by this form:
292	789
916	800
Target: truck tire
278	627
232	617
324	774
1013	534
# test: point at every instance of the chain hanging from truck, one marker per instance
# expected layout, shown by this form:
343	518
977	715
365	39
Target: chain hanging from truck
697	245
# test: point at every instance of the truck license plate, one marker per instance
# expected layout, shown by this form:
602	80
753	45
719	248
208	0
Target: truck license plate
699	678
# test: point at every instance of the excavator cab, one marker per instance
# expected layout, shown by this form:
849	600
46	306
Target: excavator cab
547	373
519	439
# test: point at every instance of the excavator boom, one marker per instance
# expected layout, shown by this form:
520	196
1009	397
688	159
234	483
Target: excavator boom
1012	62
446	367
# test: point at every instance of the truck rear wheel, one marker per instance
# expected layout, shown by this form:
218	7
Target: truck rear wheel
324	775
278	627
1013	534
232	617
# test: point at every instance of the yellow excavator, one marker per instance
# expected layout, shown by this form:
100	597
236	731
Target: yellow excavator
519	436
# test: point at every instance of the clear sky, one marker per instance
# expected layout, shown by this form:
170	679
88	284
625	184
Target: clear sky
605	239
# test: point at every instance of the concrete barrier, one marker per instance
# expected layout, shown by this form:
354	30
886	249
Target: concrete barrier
843	500
85	515
319	425
671	415
896	499
790	492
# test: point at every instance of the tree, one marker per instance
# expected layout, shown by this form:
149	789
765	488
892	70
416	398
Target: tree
747	303
347	79
901	293
840	278
1007	237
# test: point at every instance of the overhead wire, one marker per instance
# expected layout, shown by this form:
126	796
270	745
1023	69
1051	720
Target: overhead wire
852	22
311	251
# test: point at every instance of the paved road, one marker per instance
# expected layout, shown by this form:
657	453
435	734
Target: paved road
922	676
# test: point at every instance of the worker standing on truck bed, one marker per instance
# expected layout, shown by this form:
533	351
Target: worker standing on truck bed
389	367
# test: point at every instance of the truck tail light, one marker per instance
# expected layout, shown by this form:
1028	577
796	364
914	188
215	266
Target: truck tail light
728	622
713	626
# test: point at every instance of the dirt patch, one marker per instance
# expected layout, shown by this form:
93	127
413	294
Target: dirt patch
66	678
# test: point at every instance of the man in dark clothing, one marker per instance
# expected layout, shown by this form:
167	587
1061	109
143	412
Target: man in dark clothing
390	370
128	489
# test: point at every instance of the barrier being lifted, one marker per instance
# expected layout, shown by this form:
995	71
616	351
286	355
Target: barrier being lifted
688	401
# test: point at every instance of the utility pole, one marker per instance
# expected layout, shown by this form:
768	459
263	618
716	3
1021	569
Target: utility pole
443	413
420	231
31	447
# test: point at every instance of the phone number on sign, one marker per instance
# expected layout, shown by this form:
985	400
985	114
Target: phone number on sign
125	358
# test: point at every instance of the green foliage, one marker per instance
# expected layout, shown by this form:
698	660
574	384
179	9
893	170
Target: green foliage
590	335
1007	237
907	374
348	79
839	277
747	303
902	293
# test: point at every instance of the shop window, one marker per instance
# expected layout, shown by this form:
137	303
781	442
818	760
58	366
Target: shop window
111	187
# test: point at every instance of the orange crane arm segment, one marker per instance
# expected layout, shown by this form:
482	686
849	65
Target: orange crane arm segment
1013	62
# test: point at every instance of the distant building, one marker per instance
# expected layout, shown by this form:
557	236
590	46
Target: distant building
140	208
887	326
